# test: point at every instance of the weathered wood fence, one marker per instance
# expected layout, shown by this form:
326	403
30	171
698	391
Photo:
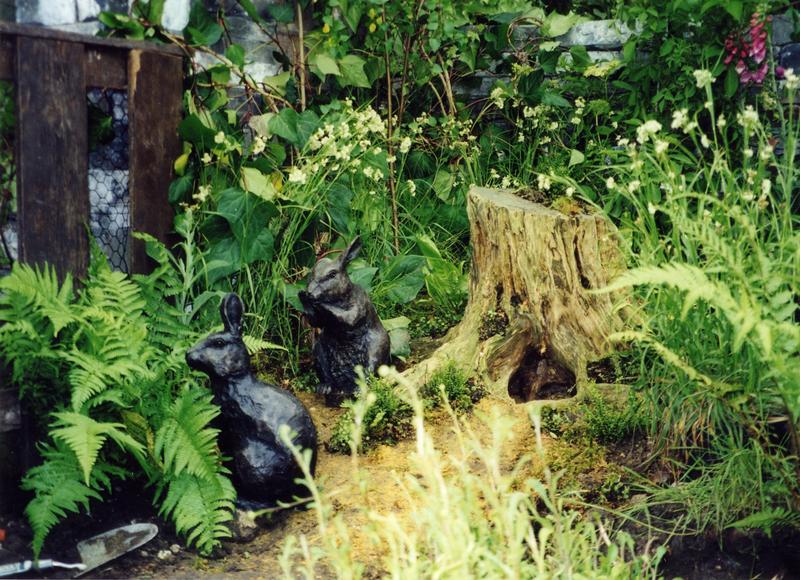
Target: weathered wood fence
52	72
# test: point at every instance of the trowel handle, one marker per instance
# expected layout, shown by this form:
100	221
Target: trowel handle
15	568
21	567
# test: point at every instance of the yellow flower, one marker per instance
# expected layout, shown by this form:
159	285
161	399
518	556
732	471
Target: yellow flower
371	13
326	28
379	20
372	27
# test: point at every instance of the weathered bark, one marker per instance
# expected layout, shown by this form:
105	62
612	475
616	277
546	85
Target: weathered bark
534	267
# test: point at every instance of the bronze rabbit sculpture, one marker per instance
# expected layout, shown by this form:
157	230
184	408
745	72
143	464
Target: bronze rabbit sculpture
252	412
351	333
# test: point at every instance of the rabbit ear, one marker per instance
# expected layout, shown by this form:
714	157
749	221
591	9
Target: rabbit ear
351	251
231	311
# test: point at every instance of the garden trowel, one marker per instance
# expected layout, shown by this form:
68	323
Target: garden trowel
94	551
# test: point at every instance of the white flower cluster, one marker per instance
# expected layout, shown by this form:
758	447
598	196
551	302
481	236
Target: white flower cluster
647	130
748	118
580	105
340	146
703	78
498	97
792	80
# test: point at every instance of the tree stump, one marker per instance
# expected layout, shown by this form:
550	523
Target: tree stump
531	324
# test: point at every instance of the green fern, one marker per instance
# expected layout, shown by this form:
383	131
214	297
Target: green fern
115	358
85	437
60	488
185	442
200	508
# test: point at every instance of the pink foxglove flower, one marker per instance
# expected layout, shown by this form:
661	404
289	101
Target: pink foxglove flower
748	49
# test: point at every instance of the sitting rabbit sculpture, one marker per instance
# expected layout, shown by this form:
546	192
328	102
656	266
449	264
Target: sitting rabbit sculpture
264	468
351	333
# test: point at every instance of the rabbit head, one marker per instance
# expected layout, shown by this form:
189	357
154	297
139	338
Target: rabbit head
329	281
223	354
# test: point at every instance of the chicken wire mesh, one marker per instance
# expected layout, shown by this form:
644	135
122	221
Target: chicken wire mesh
109	201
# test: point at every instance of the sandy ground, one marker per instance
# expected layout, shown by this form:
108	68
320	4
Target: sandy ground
382	465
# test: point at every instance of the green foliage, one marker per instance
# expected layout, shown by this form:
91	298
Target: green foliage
385	414
598	417
102	366
387	420
718	341
450	384
59	487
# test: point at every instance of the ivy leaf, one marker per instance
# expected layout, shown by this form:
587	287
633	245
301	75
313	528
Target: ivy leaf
403	278
399	336
258	244
576	157
324	64
557	24
201	29
235	54
193	129
307	123
250	9
257	183
278	82
284	125
283	13
443	184
352	69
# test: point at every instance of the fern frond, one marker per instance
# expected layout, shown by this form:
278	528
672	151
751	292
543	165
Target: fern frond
35	292
59	488
85	437
185	441
200	507
114	292
255	345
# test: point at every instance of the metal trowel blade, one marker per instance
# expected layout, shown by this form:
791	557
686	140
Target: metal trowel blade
98	550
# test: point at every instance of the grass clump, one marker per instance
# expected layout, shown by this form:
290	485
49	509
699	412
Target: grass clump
387	419
450	383
598	417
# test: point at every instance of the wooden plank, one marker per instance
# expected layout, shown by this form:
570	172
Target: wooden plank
154	111
52	149
6	59
106	68
13	29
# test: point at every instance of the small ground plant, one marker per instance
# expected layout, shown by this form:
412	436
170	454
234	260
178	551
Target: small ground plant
388	416
387	420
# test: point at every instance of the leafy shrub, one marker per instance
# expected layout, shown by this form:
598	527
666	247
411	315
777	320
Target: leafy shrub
113	357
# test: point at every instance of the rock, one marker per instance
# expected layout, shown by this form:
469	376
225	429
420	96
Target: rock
174	548
602	34
164	555
782	29
790	57
243	526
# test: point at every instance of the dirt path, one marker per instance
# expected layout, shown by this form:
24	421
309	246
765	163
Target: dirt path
382	465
